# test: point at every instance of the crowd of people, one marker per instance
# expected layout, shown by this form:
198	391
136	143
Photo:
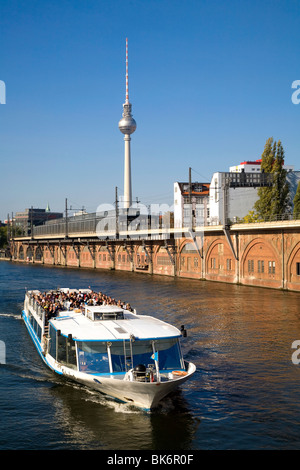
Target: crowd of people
56	301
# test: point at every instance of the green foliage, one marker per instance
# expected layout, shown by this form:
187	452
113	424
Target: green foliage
3	237
296	211
250	218
274	201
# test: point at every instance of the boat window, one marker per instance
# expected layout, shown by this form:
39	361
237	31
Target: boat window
92	356
108	316
100	315
66	351
52	350
118	355
142	352
169	354
35	326
121	357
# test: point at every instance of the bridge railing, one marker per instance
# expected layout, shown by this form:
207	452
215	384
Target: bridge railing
270	218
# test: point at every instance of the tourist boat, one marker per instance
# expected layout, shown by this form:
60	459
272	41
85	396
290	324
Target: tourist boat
133	358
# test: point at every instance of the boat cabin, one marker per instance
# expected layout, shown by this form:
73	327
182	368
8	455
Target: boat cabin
104	312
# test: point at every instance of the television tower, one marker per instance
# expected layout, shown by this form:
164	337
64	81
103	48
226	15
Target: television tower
127	126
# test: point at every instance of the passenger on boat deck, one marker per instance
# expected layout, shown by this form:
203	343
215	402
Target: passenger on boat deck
56	301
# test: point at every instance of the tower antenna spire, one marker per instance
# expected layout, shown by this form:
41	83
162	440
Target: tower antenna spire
127	88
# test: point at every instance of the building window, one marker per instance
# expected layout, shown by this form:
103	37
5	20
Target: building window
250	265
229	264
213	263
164	260
261	266
271	267
298	269
195	262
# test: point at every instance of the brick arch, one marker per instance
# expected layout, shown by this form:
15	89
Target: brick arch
261	263
215	242
72	256
120	249
29	253
162	263
291	269
101	249
183	243
14	250
220	263
122	257
139	250
70	250
47	255
86	258
21	252
160	251
38	253
211	250
188	259
103	258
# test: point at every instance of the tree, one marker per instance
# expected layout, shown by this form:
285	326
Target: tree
262	206
3	237
296	211
274	201
250	218
281	204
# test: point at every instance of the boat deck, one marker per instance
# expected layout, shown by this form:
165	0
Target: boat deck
138	326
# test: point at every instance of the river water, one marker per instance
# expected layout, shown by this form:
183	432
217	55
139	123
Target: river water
244	394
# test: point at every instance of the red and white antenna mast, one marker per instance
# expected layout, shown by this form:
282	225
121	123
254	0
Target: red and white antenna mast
127	91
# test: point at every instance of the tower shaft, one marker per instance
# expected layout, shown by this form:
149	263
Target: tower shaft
127	173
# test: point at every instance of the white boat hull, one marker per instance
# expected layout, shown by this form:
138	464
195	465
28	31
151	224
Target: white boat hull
144	395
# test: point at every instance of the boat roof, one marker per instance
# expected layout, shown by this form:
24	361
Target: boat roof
141	327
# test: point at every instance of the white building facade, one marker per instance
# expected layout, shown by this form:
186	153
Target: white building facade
191	204
228	203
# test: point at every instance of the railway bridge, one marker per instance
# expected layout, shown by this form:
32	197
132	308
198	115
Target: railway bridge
265	254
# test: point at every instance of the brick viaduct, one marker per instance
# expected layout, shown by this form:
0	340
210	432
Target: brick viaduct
261	254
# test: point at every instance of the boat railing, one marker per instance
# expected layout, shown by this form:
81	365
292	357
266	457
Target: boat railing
37	309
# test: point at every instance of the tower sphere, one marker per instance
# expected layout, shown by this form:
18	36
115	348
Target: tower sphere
127	124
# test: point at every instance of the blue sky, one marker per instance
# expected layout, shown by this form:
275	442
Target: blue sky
209	82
